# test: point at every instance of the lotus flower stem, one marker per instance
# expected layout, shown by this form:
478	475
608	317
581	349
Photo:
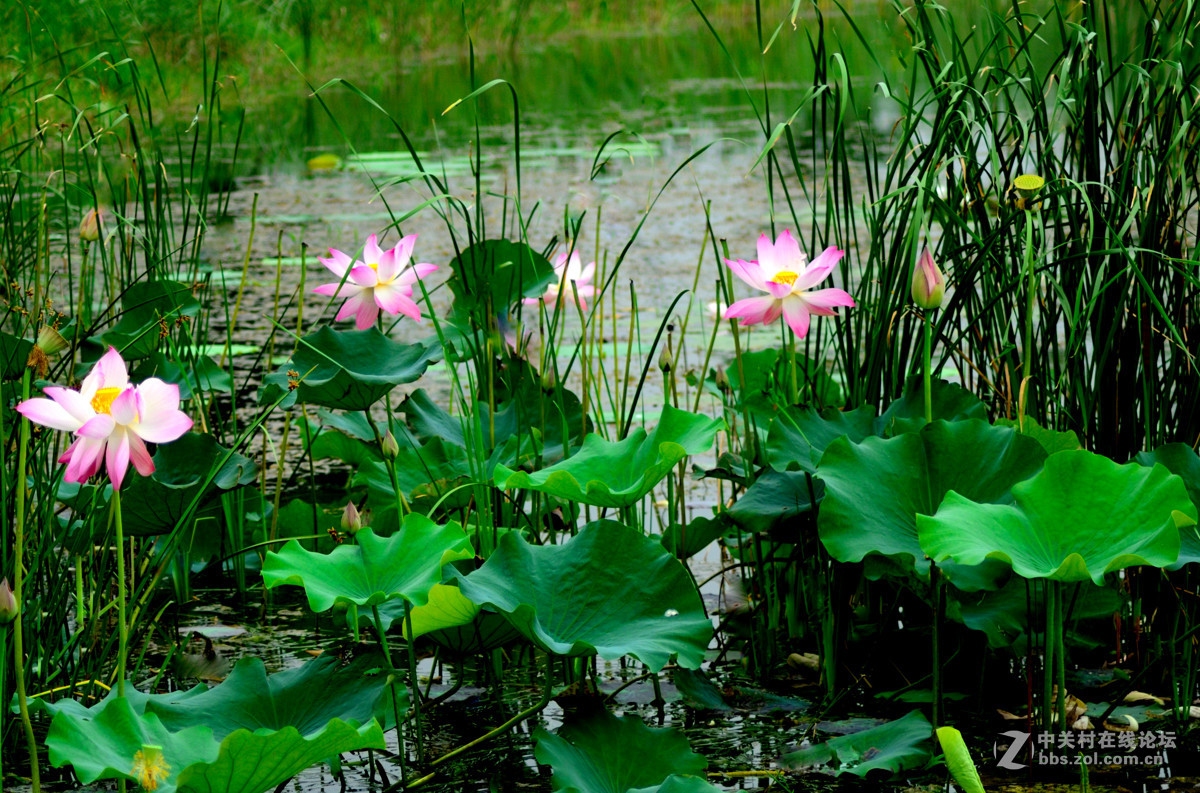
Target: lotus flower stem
18	588
928	368
122	630
412	679
935	581
1060	654
1048	645
1030	302
387	655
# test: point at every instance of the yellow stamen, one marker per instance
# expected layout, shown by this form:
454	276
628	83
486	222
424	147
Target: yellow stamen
102	401
374	267
785	277
149	767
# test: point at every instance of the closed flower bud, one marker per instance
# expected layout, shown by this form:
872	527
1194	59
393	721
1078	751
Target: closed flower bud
928	283
723	381
351	520
8	603
665	360
90	226
389	446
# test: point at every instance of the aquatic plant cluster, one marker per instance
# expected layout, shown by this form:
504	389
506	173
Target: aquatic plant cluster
953	452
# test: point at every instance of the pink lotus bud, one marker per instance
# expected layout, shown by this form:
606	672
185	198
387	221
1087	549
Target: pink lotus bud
351	520
928	283
8	603
90	226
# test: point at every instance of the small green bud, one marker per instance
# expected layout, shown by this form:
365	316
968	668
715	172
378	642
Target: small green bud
351	520
928	283
389	447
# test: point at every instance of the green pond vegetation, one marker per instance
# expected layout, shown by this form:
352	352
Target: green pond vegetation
464	483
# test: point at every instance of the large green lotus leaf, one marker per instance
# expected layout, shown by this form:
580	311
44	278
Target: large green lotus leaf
486	632
144	305
619	473
951	402
103	745
799	435
1006	617
1081	517
375	569
446	608
875	490
350	369
255	762
1052	440
494	274
687	541
608	591
900	745
603	753
776	498
14	353
1181	460
155	504
305	698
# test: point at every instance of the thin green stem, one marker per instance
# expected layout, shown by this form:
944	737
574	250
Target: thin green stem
122	630
18	590
387	656
928	368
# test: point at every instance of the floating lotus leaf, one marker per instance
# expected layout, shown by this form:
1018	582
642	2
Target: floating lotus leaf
349	369
602	753
608	591
799	435
375	569
1082	516
193	468
619	473
900	745
1181	460
875	490
192	760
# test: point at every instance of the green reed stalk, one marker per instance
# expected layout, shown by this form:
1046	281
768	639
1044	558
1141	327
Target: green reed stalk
18	592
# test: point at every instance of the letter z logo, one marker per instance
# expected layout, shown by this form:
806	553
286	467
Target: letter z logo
1019	739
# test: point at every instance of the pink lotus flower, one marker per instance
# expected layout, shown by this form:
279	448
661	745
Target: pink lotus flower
385	281
785	273
568	271
111	420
